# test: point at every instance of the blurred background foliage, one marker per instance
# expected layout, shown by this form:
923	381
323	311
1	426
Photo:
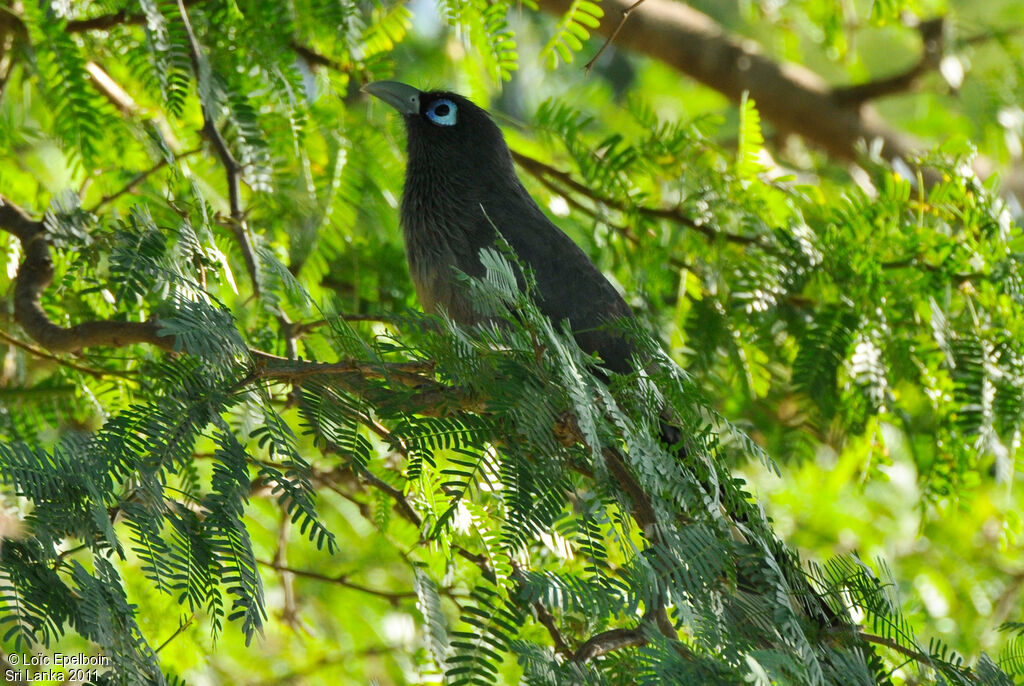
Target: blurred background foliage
863	327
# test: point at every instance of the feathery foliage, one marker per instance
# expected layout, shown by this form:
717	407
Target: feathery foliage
295	457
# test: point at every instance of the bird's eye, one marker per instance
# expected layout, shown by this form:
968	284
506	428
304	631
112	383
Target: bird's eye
442	112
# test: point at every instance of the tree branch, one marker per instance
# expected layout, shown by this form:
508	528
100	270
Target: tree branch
427	397
177	632
932	34
916	655
609	641
611	38
232	168
110	89
109	21
104	21
139	178
341	580
37	352
34	276
317	59
404	508
544	172
793	98
416	374
124	17
439	400
918	261
547	620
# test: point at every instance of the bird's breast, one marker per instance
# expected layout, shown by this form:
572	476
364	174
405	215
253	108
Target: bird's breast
443	235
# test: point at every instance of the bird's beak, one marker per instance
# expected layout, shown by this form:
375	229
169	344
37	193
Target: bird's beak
403	98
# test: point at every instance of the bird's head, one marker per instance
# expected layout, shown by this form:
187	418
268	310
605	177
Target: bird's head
446	131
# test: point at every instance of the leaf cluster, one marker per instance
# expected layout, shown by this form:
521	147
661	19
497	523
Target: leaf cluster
490	482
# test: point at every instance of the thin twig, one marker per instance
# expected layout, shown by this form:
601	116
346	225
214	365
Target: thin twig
317	59
290	613
998	35
1007	600
59	560
138	179
177	632
341	580
400	500
232	168
919	262
543	171
913	654
608	41
301	328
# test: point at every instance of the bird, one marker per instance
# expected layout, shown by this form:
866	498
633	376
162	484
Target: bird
461	191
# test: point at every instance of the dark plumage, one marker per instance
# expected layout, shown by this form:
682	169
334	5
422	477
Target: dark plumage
459	185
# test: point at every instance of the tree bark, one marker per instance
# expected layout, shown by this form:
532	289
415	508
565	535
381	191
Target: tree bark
793	98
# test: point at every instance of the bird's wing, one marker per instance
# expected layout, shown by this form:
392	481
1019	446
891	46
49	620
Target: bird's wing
570	285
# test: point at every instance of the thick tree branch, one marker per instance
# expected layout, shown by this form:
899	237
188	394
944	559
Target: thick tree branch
791	97
416	374
427	397
108	21
43	354
36	273
104	22
609	641
17	221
